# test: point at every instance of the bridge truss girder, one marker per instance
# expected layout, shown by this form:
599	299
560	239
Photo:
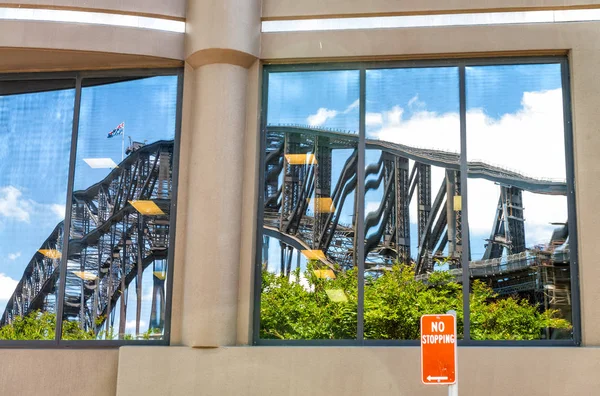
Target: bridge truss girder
110	245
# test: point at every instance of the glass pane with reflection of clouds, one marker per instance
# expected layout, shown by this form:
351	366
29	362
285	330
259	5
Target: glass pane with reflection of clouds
412	199
308	238
117	264
36	120
518	213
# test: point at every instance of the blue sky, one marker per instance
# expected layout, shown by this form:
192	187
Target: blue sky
510	110
35	137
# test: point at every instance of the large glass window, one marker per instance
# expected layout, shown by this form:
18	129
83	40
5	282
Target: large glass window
309	269
88	169
448	176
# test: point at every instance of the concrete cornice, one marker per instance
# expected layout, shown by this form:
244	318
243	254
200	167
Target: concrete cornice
210	56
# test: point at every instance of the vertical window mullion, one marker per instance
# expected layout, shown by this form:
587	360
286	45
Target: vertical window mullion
571	201
260	210
173	209
464	203
360	226
67	223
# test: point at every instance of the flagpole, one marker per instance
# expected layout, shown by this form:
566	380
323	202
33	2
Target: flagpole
123	143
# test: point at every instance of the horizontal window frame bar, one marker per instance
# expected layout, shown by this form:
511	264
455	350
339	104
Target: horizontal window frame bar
414	343
32	76
416	63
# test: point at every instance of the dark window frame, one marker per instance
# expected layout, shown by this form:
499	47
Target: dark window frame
461	64
77	77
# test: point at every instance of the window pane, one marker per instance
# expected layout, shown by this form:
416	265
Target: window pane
120	237
412	200
518	218
36	121
309	278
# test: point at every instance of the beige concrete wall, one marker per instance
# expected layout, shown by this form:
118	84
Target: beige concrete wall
294	8
96	38
173	8
51	372
327	371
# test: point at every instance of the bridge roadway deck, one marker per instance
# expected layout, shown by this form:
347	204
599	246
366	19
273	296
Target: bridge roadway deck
440	158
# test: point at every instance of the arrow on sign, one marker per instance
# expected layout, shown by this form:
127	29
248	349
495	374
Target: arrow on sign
430	378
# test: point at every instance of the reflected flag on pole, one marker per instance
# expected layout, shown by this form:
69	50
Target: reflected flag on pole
117	131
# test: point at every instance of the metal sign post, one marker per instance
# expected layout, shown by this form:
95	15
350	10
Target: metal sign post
453	389
438	351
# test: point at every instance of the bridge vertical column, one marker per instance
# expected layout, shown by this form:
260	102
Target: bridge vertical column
453	215
424	204
294	175
389	170
402	211
222	43
322	169
516	221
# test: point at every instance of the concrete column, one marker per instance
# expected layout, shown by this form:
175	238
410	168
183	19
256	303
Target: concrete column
222	42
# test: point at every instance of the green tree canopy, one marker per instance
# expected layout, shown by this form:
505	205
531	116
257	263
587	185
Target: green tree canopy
307	307
41	326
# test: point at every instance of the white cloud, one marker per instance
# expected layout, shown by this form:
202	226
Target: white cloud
373	119
13	206
324	114
59	210
530	141
321	117
7	287
14	256
423	129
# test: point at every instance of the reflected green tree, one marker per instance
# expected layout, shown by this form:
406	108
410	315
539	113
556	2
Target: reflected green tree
307	306
41	326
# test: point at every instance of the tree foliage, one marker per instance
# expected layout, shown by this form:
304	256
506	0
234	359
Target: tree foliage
300	308
41	326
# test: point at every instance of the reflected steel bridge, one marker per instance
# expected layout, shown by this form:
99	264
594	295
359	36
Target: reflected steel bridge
119	227
507	264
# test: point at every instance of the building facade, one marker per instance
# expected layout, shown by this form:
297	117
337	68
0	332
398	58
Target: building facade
220	103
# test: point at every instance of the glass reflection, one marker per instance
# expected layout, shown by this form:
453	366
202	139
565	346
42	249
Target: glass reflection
120	238
413	207
309	284
36	120
518	217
